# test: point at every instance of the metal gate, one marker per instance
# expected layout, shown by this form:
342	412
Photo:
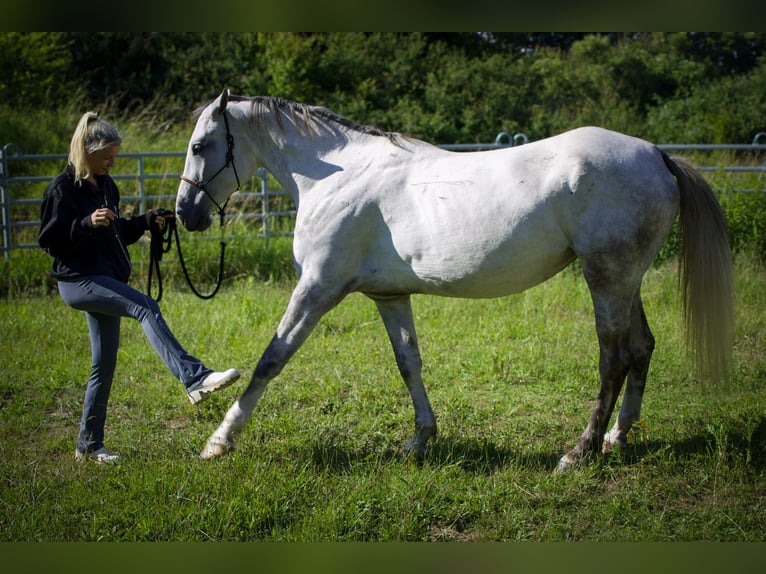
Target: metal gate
269	209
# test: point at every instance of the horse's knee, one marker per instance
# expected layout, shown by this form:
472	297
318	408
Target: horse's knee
409	368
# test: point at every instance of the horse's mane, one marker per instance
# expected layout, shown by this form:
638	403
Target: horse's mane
306	117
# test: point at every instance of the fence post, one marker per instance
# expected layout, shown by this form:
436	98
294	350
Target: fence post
265	204
6	226
141	196
6	203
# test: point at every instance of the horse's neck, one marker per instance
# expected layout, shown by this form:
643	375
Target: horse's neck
300	161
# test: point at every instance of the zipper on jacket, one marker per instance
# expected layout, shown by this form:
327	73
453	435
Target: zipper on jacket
116	233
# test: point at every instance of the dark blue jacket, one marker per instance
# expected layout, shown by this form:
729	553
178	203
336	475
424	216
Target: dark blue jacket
66	232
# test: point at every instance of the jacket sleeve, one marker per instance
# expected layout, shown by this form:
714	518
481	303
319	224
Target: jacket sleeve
132	228
61	228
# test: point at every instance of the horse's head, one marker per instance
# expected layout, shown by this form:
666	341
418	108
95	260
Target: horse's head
210	175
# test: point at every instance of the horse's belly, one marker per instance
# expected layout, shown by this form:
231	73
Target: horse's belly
484	249
466	268
492	276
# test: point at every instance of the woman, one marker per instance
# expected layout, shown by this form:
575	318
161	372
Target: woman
83	231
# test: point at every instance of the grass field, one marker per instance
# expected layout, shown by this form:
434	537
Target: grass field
512	383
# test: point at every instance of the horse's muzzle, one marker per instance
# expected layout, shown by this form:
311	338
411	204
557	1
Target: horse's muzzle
194	219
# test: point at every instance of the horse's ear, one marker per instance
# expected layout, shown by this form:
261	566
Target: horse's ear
224	99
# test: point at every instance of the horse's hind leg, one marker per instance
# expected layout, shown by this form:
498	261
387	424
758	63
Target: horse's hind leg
397	317
641	348
612	303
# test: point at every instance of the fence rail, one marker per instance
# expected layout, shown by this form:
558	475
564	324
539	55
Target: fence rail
141	199
16	212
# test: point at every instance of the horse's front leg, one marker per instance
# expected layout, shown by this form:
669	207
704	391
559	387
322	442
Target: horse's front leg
272	361
308	304
397	317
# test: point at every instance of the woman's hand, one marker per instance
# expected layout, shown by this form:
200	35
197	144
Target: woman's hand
102	217
159	217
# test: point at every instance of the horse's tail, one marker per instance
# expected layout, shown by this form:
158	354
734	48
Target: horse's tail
705	272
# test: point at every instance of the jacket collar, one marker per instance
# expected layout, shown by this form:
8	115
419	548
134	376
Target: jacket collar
86	185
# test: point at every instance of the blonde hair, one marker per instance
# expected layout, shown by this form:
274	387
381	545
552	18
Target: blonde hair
91	135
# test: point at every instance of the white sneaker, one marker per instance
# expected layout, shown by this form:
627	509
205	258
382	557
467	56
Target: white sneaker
210	384
101	456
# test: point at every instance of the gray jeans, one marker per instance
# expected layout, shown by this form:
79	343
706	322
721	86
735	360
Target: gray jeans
105	300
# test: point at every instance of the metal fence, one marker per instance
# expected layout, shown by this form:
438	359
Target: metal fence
263	206
135	173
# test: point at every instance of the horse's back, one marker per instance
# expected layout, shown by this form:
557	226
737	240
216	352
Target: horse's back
540	205
485	224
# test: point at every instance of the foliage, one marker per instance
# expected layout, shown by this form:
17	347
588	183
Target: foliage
746	221
724	110
34	68
440	87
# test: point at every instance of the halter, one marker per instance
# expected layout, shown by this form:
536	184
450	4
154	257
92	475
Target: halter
202	185
172	229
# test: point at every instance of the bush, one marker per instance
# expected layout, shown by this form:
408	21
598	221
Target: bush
728	110
746	220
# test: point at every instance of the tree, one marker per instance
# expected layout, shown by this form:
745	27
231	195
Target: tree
34	68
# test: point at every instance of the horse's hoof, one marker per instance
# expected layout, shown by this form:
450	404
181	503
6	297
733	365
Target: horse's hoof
416	446
566	463
613	442
412	446
215	449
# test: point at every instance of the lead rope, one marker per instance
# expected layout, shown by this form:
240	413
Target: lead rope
158	245
161	243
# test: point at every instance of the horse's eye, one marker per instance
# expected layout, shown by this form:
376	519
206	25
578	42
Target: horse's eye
196	148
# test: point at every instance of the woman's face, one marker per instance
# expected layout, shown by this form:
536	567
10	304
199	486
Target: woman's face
101	161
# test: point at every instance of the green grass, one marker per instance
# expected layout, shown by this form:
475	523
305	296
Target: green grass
511	380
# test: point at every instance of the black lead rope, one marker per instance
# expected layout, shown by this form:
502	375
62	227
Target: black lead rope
161	243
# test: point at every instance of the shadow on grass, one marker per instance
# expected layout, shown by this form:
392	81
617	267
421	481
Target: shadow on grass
730	440
485	456
473	456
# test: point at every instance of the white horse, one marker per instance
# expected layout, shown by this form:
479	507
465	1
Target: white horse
389	216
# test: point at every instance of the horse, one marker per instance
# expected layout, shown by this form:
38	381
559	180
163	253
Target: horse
390	216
